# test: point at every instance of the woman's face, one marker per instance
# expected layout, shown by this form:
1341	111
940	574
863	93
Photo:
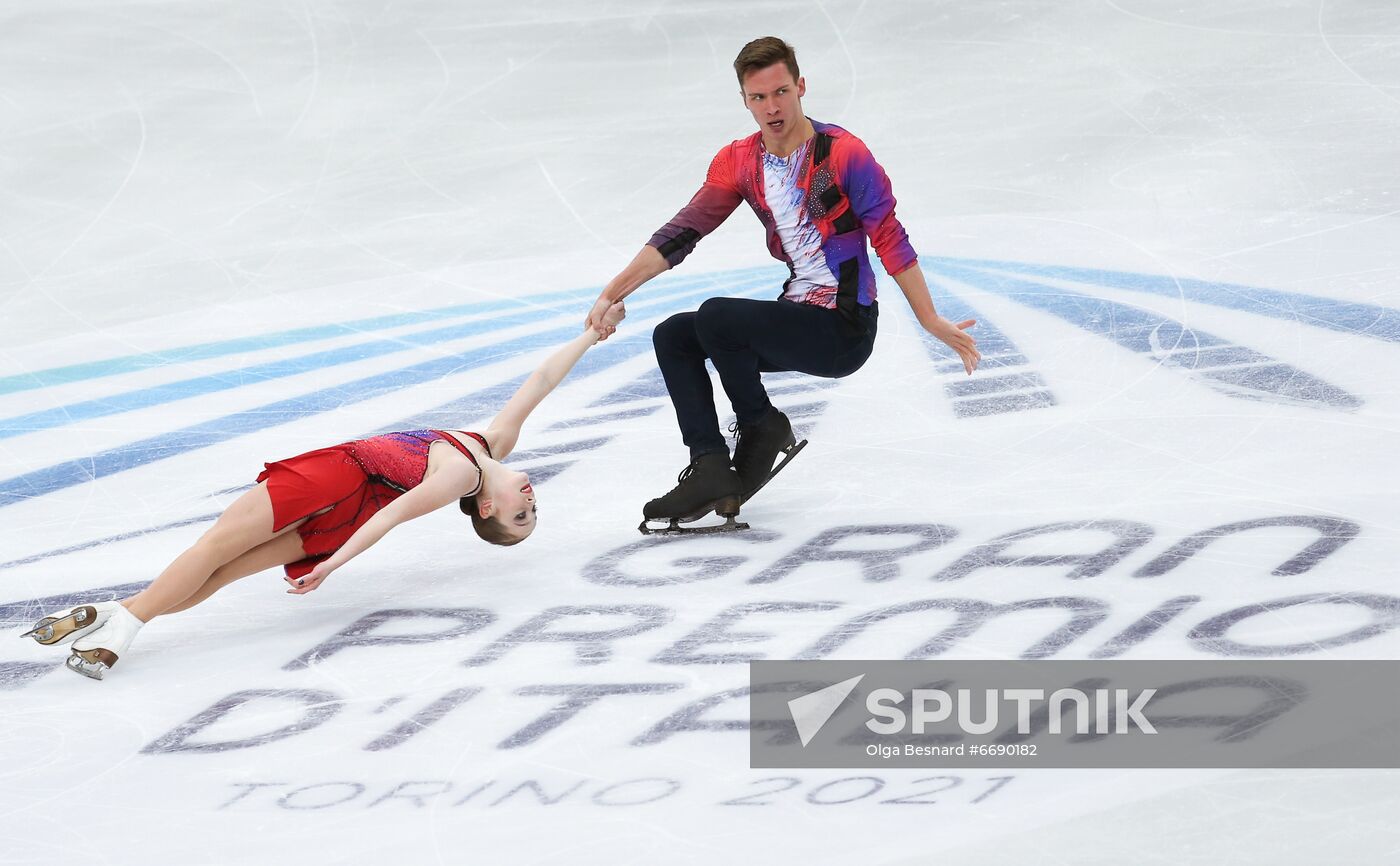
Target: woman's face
512	503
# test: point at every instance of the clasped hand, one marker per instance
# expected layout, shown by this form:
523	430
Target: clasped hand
605	315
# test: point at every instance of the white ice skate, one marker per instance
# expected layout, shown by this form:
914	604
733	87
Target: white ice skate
95	654
65	626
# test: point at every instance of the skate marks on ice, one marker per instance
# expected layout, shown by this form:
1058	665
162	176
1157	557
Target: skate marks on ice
1225	366
142	452
17	675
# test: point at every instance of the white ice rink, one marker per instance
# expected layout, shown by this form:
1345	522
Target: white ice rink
231	232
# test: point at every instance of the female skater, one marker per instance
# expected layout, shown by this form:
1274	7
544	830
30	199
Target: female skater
315	512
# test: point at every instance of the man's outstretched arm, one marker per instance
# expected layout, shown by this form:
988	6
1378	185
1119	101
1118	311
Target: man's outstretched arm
647	264
911	282
716	200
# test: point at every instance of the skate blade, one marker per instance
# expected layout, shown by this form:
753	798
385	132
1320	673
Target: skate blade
91	670
42	631
673	527
93	662
726	507
57	629
788	453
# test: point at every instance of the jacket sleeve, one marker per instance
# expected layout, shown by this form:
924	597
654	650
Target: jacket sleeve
872	198
712	205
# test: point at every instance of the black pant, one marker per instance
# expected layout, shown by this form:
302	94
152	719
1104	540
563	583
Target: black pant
743	338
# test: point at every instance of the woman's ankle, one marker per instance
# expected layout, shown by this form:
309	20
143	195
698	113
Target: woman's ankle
136	609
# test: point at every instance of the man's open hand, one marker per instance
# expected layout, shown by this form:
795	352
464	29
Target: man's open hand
958	340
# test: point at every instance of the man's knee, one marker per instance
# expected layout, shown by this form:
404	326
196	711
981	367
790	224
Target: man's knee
675	332
718	317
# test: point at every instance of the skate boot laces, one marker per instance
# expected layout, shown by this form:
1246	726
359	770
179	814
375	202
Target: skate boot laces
747	442
686	473
683	477
741	433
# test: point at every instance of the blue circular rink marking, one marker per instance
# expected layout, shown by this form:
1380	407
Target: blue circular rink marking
1006	381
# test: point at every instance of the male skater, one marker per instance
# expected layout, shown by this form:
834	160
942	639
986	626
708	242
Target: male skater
819	194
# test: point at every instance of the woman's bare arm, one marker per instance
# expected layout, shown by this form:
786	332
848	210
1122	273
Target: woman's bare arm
443	487
504	431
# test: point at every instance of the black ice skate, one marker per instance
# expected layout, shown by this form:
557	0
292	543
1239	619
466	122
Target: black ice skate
708	484
758	445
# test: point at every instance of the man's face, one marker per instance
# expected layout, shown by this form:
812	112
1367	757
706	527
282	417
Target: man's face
774	99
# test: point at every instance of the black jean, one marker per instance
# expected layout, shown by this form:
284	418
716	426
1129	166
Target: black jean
744	338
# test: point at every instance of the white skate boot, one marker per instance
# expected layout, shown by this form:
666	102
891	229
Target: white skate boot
95	654
65	626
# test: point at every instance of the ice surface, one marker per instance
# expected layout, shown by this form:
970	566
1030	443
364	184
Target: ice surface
233	232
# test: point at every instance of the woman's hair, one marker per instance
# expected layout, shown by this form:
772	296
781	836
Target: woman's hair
487	528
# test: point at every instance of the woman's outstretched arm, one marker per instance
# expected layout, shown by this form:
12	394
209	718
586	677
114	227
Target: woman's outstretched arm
505	427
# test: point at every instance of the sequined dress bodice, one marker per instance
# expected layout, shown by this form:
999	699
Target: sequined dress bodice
399	460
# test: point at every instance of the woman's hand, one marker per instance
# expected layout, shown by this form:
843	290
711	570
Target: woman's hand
303	585
597	317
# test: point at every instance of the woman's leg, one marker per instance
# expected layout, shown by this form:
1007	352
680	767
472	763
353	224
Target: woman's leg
281	550
244	525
